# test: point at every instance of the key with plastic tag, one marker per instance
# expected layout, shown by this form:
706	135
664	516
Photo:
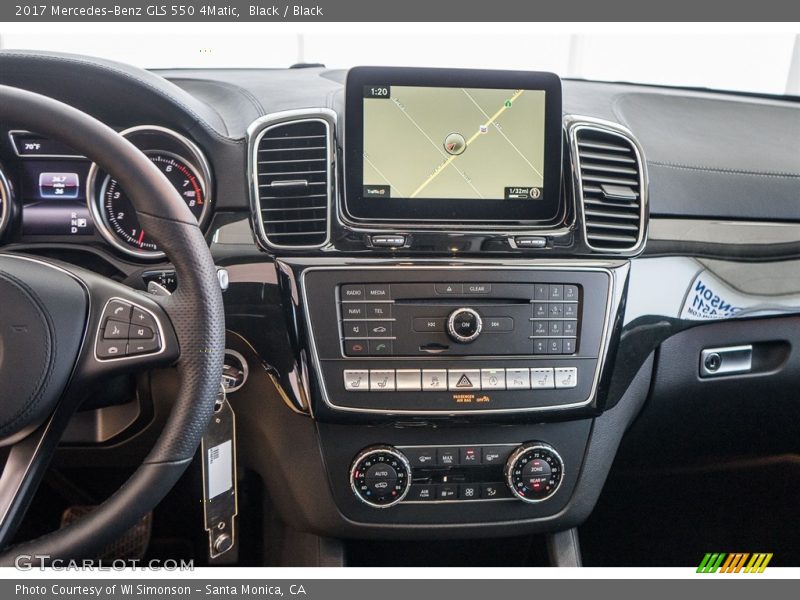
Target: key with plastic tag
220	506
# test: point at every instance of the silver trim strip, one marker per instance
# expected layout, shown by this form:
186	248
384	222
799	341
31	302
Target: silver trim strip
198	161
255	132
614	294
576	123
5	202
719	231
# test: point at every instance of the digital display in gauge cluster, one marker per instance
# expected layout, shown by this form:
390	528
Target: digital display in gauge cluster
52	187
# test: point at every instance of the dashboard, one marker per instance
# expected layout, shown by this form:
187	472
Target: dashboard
448	288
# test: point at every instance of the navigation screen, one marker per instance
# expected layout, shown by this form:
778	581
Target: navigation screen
448	142
461	147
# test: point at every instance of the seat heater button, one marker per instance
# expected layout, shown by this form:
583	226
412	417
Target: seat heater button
356	380
566	377
542	379
381	381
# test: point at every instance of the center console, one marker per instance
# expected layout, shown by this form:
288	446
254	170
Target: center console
454	326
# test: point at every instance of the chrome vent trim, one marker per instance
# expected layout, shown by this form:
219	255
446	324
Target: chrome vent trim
610	177
291	167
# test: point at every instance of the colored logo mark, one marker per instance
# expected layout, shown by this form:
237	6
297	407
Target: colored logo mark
736	562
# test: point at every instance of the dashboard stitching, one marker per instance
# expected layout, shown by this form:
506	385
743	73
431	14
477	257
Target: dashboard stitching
721	170
128	76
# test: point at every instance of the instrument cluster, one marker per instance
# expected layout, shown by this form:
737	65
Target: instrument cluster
50	193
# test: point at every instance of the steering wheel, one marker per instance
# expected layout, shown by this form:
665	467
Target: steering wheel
55	325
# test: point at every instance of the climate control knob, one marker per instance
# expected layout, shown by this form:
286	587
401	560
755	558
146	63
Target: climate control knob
534	472
464	325
380	476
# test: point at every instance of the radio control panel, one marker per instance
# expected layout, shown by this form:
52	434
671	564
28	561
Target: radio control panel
422	340
504	319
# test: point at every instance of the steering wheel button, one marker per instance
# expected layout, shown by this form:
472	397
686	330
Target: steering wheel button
143	346
115	330
140	332
118	310
139	317
111	349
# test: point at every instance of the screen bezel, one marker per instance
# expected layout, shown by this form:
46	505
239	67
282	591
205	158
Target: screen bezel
464	212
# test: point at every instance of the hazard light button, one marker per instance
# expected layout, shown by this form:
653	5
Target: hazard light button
463	379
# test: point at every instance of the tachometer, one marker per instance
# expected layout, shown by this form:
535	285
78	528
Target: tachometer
183	165
117	211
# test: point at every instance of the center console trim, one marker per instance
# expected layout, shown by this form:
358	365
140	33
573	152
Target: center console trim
613	299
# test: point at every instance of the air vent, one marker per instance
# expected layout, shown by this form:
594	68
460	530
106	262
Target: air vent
293	182
612	182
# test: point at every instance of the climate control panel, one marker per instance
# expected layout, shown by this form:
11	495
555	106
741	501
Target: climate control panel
383	476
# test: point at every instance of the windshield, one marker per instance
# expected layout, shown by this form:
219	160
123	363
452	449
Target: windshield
766	62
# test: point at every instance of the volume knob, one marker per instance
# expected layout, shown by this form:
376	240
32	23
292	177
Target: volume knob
464	325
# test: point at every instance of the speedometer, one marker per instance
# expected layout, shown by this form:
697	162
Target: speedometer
181	162
118	214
